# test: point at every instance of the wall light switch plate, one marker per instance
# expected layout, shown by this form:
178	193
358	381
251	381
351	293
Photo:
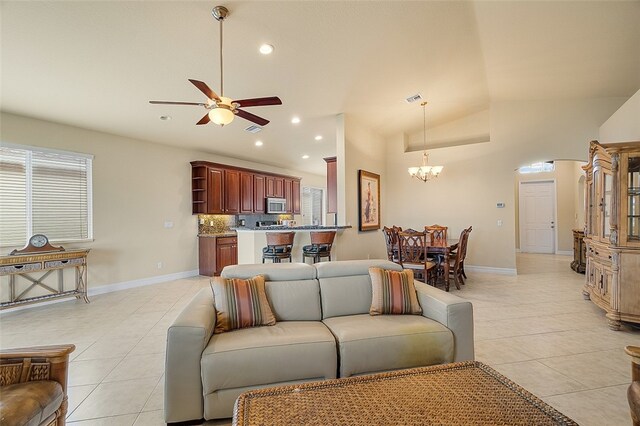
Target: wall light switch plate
499	222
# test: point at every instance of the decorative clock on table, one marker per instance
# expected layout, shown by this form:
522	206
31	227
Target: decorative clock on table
38	243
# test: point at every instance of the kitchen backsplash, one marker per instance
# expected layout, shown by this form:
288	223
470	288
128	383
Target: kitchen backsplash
215	223
251	219
220	223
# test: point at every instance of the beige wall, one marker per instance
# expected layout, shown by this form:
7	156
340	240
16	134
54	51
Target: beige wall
476	177
137	186
624	125
359	148
566	188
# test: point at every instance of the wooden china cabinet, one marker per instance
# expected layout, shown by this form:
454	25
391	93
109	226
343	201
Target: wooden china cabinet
612	230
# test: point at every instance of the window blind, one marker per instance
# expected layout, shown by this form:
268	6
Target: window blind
13	196
312	206
44	192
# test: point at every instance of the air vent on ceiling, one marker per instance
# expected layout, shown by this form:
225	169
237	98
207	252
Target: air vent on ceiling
414	98
254	128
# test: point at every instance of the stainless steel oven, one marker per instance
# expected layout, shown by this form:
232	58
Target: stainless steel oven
276	205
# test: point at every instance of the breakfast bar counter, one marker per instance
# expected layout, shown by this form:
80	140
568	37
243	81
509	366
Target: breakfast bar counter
251	240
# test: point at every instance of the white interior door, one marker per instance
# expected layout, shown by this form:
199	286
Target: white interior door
537	217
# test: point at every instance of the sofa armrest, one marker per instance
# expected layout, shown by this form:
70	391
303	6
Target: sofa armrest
453	312
186	339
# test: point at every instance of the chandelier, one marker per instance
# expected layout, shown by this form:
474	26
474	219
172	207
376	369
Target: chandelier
425	172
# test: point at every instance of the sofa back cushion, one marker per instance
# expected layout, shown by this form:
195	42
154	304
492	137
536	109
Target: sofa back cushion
345	286
292	288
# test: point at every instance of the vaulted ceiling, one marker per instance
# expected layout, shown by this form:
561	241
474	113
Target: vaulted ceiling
97	64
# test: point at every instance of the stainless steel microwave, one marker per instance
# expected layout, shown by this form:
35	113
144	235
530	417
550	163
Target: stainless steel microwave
276	205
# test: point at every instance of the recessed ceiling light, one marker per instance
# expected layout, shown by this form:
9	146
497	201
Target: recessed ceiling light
266	49
165	117
295	120
259	143
304	157
318	138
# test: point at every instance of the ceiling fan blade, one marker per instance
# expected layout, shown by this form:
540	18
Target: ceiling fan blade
204	120
252	117
205	89
273	100
177	103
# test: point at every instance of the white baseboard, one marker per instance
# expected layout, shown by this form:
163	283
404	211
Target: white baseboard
110	288
565	252
126	285
491	270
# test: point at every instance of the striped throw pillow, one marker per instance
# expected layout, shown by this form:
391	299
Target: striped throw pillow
240	303
393	292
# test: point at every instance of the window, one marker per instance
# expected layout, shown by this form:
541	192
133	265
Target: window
312	206
44	192
537	168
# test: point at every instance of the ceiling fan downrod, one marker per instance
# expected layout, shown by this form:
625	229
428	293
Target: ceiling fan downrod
220	13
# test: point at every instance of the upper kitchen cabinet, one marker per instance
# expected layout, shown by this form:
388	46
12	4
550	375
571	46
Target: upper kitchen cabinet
222	189
259	205
247	184
274	187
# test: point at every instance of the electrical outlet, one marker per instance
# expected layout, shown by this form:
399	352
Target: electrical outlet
210	223
201	221
159	265
168	224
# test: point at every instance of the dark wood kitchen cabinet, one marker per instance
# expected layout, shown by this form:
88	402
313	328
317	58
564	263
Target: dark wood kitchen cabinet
221	189
215	192
216	252
246	192
295	196
274	187
288	190
332	184
258	194
231	191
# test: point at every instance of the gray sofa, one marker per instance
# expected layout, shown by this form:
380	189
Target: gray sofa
323	331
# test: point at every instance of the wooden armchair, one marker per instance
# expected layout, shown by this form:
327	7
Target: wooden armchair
33	385
633	393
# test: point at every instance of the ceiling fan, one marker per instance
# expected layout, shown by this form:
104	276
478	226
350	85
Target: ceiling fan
222	110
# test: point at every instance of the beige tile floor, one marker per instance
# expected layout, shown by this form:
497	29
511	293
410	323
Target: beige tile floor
535	328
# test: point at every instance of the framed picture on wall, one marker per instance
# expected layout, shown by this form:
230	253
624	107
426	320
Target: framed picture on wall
368	200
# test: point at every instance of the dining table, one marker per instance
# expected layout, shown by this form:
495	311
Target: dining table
444	249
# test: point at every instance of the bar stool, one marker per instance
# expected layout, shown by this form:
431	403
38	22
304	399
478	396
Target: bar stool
320	246
279	245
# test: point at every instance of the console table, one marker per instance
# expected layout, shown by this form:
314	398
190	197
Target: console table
25	266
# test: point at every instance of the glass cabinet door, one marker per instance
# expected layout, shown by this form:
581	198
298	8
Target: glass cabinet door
606	205
633	201
594	206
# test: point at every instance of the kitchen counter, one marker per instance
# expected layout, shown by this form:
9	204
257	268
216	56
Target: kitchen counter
289	228
220	234
252	239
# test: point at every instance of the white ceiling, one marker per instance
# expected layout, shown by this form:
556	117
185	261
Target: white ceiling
97	64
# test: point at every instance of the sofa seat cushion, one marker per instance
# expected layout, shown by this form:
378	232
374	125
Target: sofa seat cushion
289	350
369	344
30	403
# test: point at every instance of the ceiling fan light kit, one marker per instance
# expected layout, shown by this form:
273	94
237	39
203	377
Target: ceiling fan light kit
222	110
425	172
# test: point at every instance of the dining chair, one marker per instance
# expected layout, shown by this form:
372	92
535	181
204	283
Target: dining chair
391	240
438	233
413	254
279	246
320	246
464	252
455	262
